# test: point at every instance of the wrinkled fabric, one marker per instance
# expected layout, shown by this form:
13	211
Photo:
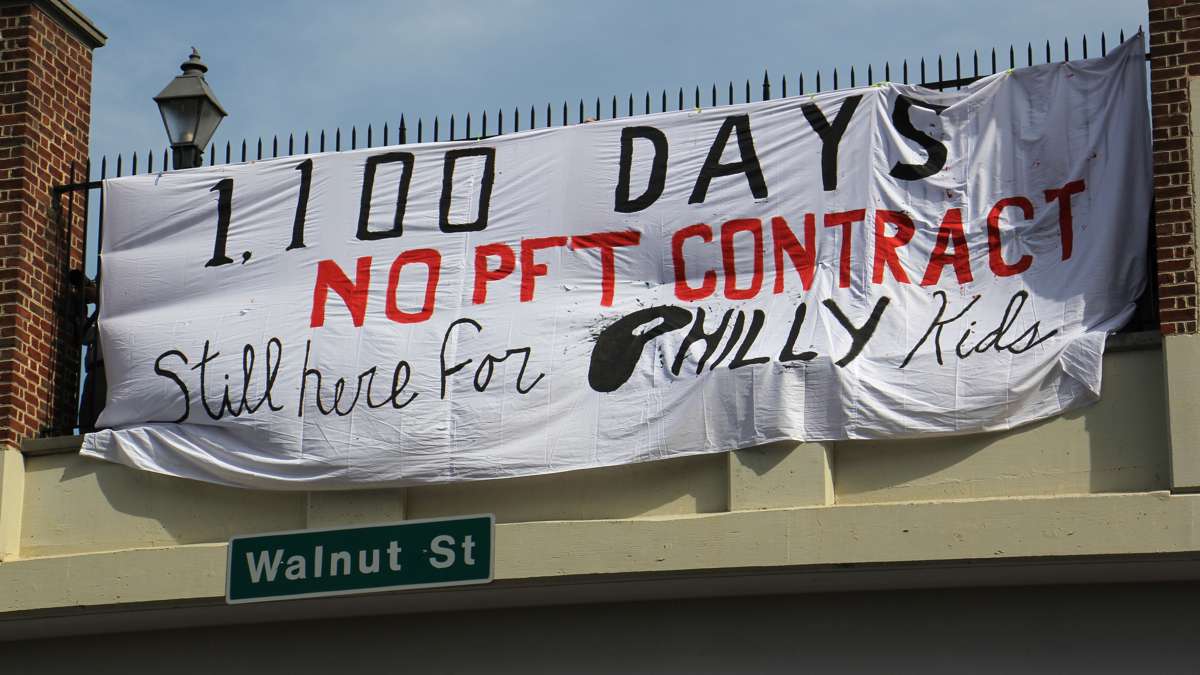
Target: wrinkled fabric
959	301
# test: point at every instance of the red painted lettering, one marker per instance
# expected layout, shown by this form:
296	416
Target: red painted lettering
803	257
330	276
1066	227
728	259
845	219
485	275
530	270
949	235
433	261
683	290
885	246
995	255
607	242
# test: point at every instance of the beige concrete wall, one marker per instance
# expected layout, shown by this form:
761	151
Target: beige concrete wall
1181	354
72	504
1117	445
1090	483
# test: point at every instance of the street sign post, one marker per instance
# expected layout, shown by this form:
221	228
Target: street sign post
316	563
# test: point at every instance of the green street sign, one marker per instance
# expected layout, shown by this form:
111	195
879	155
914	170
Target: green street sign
316	563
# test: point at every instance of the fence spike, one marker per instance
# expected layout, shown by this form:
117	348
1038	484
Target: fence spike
747	91
133	170
598	109
818	81
663	106
499	121
437	128
922	82
993	60
275	146
260	155
322	148
713	100
482	124
801	83
149	163
166	166
353	137
835	79
564	115
941	73
646	108
1028	53
467	135
730	101
337	139
1122	35
1048	57
766	87
1103	44
1085	45
614	107
291	143
697	97
103	167
958	68
243	150
420	129
516	119
681	98
887	71
401	132
119	162
975	61
306	142
783	86
370	136
579	118
904	71
228	153
870	74
1066	49
549	116
852	76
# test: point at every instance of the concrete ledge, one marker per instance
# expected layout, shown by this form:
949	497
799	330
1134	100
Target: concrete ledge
538	553
54	445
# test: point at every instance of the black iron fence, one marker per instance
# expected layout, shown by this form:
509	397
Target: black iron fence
932	74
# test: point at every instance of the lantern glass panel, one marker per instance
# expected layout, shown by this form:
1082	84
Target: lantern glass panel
181	115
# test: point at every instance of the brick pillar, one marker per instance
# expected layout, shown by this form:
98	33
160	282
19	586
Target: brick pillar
1175	61
45	109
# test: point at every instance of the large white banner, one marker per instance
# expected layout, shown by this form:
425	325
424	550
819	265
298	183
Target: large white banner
871	263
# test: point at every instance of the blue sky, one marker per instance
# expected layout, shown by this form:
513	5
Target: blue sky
284	66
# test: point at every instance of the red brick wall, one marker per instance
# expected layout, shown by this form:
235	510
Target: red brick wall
1175	57
45	103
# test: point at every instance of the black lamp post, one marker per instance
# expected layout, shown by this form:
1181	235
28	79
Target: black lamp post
190	112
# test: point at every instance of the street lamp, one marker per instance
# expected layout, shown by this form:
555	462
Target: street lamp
190	112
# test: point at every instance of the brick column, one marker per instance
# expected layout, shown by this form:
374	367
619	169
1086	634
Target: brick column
45	104
1175	60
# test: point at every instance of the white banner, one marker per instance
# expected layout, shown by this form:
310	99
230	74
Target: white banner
871	263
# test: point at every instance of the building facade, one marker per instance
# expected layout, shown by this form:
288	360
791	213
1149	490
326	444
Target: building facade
1070	544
